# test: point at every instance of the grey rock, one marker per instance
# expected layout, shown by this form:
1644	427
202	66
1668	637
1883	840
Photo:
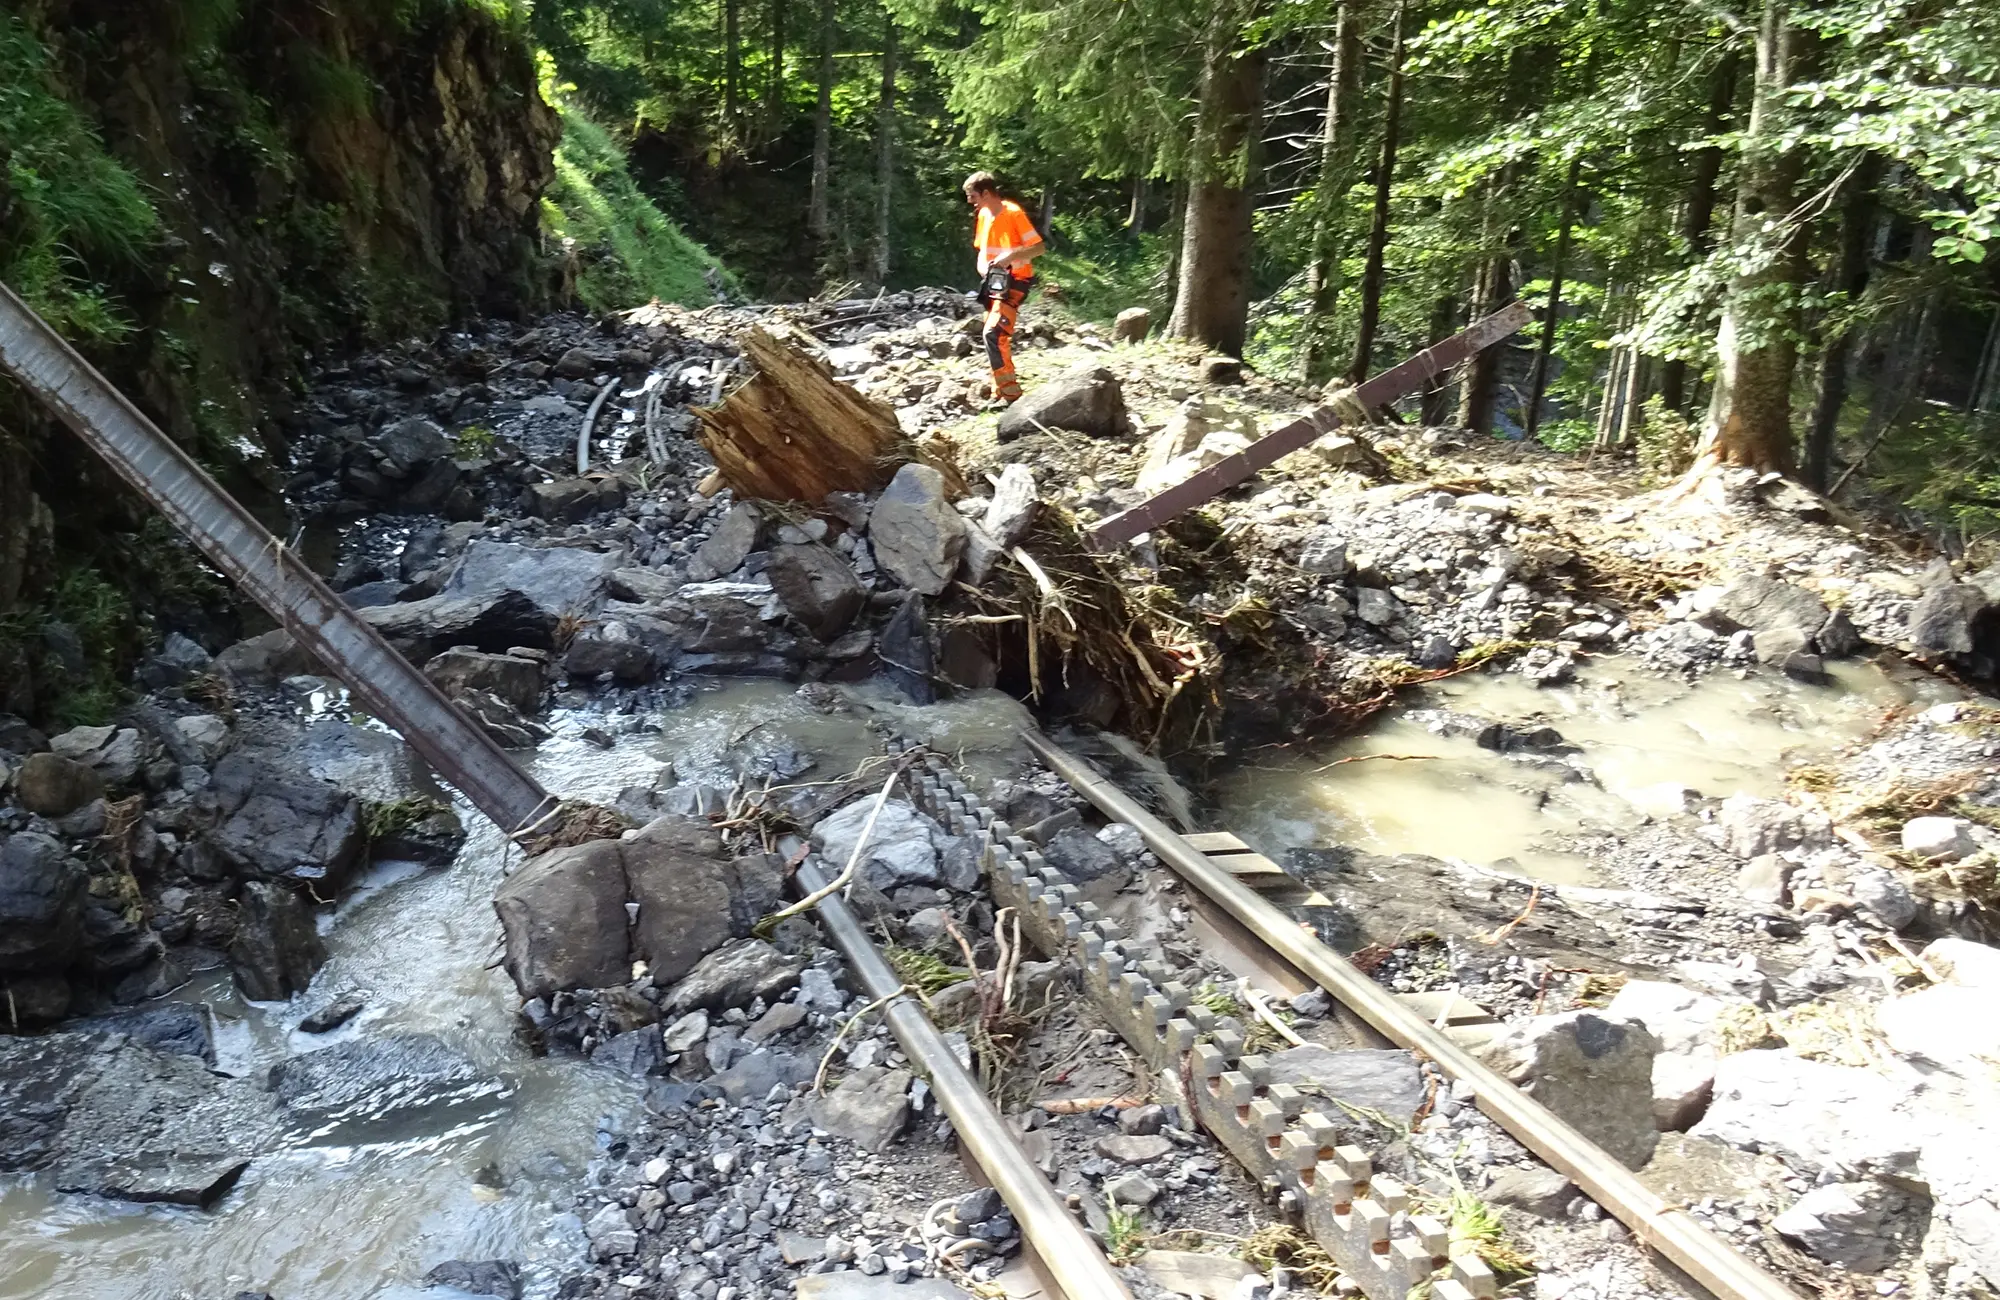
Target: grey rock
732	541
778	1020
277	948
1591	1069
735	975
1765	604
562	917
1838	638
684	1033
1324	553
1947	619
901	850
371	1081
637	1052
572	500
492	1277
53	786
1146	1119
178	660
982	553
1380	1080
1082	857
42	896
1842	1223
905	652
1014	507
1134	1149
578	364
751	1079
333	1015
510	677
1541	1192
869	1108
611	646
1086	400
410	444
1132	1189
1376	607
176	1028
1765	878
1752	827
818	588
1811	1115
917	535
279	821
1938	839
818	991
1132	325
558	580
978	1205
859	1286
1884	897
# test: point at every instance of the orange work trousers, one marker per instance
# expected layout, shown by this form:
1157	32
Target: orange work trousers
1002	310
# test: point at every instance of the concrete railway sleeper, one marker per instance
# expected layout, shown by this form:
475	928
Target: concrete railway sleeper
1360	1217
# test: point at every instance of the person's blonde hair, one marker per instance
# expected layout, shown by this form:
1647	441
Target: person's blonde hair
981	183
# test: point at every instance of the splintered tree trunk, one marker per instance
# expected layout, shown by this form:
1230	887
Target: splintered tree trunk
1538	382
1698	214
1750	412
794	433
1213	304
1850	277
1135	217
822	159
1336	157
1378	230
885	153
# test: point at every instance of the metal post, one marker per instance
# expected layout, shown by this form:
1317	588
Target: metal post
1072	1259
1667	1228
380	679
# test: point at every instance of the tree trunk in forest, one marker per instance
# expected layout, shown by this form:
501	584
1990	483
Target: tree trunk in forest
822	161
1336	158
885	152
1631	415
1538	382
1048	215
1432	406
1698	215
1985	391
774	92
1378	229
732	61
1212	306
1135	216
1850	277
1750	412
1479	388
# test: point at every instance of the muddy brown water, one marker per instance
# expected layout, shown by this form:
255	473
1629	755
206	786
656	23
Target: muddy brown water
365	1222
1641	738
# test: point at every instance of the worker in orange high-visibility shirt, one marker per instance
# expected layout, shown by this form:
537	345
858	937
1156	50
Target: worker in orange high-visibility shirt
1008	243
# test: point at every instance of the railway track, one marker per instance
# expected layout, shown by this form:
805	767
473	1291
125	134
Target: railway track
1332	1189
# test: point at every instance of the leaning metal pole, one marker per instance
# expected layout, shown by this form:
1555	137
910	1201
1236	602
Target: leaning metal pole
1667	1228
379	678
1073	1260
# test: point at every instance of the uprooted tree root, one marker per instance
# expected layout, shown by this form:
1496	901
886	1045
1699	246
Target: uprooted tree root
573	822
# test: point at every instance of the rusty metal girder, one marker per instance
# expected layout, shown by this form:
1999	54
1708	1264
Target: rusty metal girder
1384	388
381	680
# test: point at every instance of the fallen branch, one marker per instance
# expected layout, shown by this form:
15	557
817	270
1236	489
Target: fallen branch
1085	1105
1494	939
1269	1017
841	881
826	1061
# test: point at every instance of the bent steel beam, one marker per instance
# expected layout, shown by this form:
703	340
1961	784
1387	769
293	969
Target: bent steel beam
1384	388
384	682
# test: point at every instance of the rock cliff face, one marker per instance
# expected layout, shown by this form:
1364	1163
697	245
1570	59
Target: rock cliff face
325	175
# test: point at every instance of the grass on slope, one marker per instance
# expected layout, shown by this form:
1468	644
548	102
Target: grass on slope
629	251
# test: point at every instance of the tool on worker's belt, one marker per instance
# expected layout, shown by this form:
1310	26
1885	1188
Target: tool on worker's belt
995	284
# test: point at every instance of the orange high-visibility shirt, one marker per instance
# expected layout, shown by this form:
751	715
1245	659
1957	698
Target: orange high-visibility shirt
1003	233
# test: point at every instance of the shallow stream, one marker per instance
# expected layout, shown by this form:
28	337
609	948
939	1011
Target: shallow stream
335	1222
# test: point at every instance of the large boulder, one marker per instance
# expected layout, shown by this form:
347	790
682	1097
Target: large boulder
53	786
563	919
917	535
511	677
1684	1022
1765	604
409	445
1591	1069
1948	619
1086	400
106	1115
277	949
495	621
901	850
610	646
42	895
367	1081
730	544
1385	1081
868	1108
817	586
1811	1115
674	872
279	822
1011	512
1842	1223
558	579
734	975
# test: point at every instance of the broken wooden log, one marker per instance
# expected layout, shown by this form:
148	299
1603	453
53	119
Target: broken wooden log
794	432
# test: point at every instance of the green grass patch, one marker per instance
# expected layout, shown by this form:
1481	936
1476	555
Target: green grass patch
629	252
1094	270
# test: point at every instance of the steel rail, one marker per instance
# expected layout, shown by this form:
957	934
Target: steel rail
1405	377
380	679
1655	1222
1073	1260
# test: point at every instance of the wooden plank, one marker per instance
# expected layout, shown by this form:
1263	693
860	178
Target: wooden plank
1215	842
1384	388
